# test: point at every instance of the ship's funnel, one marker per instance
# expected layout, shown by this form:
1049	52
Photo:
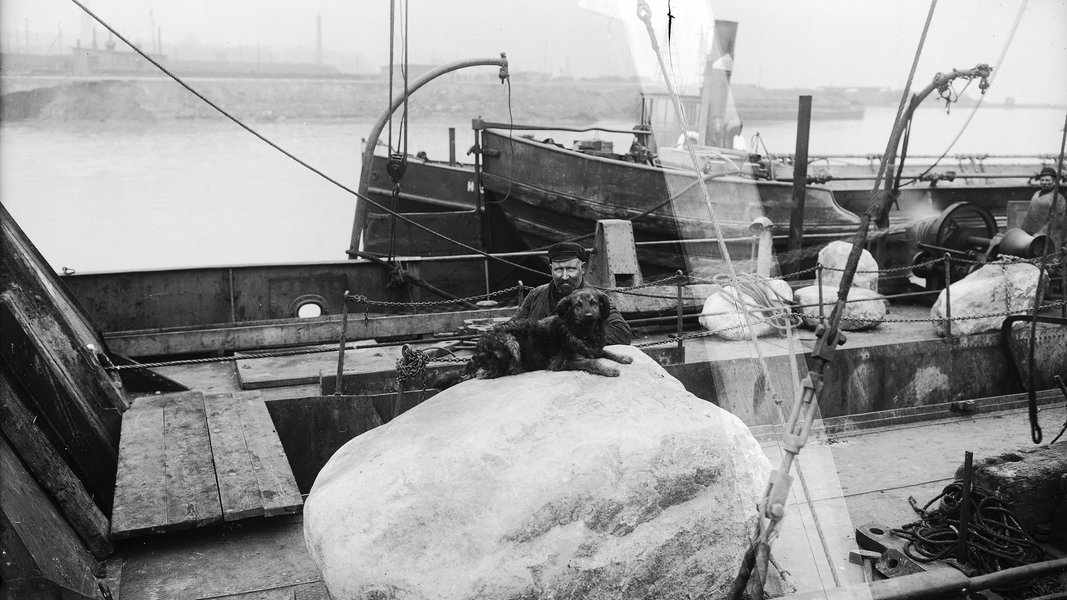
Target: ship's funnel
715	92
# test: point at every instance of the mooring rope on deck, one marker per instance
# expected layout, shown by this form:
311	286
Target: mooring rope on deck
995	538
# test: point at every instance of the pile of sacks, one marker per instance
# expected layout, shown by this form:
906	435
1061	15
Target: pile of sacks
769	301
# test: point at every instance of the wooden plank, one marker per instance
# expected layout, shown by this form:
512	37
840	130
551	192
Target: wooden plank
42	557
260	372
140	484
192	494
51	471
238	486
76	422
275	476
287	332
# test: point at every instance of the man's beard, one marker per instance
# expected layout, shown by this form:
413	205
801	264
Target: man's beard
564	287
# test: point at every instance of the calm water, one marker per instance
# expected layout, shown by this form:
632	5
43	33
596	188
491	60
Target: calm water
119	196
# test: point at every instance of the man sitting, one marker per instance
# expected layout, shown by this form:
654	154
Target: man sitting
567	263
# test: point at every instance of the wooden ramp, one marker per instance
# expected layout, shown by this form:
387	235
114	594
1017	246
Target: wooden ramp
189	460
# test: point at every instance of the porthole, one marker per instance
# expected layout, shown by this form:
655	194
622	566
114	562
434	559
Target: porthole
308	306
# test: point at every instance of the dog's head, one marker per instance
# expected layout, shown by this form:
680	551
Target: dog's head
585	306
491	358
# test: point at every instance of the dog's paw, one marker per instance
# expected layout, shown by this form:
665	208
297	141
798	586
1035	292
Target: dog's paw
610	372
624	359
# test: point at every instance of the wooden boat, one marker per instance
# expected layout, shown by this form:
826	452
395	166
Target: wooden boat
551	193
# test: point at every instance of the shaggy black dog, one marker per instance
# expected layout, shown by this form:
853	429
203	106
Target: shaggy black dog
571	340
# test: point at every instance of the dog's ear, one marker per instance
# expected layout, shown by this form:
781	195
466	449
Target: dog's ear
605	305
563	309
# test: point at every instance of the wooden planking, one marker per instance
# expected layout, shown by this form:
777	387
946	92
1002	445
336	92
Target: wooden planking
51	471
77	426
272	470
42	557
238	486
140	504
192	491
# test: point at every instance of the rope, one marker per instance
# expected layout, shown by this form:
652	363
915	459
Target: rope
995	539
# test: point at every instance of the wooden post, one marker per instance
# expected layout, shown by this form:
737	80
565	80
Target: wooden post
965	507
948	295
800	175
341	347
452	146
680	276
818	284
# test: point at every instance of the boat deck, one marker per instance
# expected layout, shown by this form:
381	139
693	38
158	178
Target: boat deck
852	479
860	466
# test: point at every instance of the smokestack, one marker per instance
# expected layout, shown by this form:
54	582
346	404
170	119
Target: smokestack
318	39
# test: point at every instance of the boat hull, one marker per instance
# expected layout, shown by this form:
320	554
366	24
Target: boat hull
551	194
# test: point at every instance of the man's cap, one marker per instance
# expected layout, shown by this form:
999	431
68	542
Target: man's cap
1047	171
566	251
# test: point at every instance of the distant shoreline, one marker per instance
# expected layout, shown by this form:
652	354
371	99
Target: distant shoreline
149	98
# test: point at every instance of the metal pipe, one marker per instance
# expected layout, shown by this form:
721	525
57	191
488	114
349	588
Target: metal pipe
358	224
800	175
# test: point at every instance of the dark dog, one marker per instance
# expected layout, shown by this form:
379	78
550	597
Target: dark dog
571	340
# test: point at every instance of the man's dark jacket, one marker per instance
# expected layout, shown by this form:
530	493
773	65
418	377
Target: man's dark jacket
542	301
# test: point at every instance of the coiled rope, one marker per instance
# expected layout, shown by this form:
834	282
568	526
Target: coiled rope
995	539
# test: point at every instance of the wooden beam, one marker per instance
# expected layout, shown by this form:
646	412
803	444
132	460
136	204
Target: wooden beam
238	487
272	470
42	556
77	421
288	332
192	490
140	484
51	471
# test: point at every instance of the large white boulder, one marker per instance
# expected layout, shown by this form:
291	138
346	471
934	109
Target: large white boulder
988	293
541	485
865	309
722	313
833	258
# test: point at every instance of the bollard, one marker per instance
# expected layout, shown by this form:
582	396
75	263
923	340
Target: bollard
679	275
520	290
341	345
948	295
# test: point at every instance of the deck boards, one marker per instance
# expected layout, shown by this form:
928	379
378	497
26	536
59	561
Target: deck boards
189	460
270	468
238	487
140	483
192	492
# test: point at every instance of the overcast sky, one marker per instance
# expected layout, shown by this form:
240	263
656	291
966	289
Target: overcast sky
780	43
